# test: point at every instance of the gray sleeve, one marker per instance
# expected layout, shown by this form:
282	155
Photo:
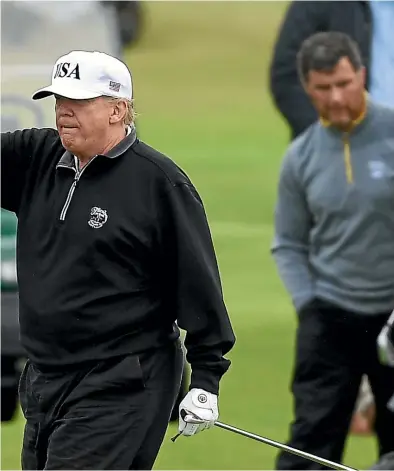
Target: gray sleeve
293	222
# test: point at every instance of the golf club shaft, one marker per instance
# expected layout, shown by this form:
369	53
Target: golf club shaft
390	322
284	447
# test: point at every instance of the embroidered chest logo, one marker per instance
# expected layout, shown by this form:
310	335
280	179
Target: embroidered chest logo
98	217
377	169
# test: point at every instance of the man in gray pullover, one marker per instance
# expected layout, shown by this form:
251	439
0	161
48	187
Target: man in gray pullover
334	249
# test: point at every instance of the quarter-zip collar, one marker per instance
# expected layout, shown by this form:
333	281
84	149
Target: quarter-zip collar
67	159
357	123
357	126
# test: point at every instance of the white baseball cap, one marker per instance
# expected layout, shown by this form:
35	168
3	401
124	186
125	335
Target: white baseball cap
83	74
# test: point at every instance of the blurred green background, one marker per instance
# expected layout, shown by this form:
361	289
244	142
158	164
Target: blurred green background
200	80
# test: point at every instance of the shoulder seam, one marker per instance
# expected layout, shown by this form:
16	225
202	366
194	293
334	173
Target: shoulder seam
156	165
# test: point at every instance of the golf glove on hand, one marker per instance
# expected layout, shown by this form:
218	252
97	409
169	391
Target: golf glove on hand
197	411
385	345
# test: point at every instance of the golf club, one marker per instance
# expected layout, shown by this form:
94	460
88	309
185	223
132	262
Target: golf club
267	441
289	449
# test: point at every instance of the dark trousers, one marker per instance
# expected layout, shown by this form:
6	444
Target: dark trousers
110	415
334	348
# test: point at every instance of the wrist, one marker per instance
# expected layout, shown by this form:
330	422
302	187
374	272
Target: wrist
206	380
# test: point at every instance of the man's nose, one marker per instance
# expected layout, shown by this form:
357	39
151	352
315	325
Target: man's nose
336	95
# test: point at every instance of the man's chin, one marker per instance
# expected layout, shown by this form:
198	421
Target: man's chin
68	143
340	122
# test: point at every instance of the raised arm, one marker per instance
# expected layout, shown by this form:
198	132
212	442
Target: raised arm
18	149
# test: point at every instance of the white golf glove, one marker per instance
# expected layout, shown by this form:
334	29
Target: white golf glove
197	411
385	346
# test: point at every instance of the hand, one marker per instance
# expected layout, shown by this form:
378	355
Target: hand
385	342
197	411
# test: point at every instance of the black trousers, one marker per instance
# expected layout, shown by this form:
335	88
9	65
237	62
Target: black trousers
334	348
110	415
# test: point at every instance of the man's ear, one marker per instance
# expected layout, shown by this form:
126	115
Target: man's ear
118	112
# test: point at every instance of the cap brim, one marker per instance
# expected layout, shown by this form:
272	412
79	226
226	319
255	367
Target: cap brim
73	93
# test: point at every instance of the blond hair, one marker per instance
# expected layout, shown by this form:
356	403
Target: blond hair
130	115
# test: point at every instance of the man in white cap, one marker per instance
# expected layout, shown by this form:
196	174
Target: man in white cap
113	248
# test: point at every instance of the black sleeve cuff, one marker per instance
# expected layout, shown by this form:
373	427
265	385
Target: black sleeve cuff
207	379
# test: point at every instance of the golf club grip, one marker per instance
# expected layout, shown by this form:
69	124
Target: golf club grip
282	446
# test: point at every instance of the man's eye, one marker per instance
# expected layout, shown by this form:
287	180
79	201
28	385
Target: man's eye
343	84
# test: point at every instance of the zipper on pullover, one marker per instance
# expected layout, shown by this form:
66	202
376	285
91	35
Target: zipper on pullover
71	191
348	159
346	141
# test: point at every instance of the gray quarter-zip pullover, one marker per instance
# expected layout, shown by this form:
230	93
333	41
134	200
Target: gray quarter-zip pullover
334	217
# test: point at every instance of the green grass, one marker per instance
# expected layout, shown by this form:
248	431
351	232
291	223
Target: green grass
200	78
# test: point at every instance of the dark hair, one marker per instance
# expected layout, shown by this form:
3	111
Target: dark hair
323	51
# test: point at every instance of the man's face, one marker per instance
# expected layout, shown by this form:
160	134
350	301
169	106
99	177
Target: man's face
83	124
338	95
